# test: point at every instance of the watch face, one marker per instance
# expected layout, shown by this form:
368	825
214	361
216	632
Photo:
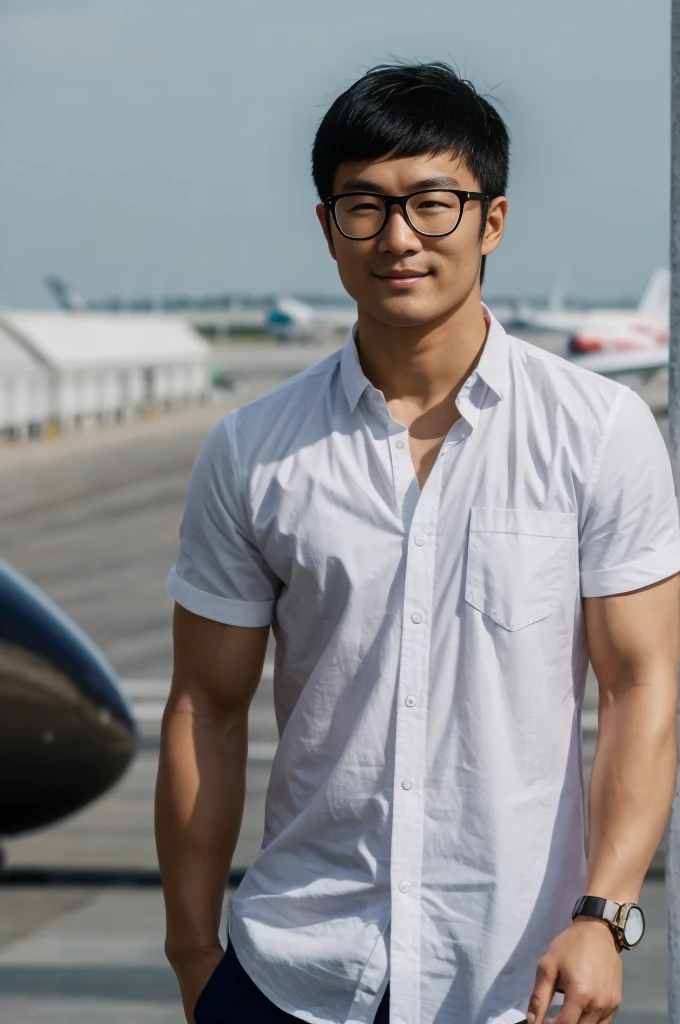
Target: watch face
634	927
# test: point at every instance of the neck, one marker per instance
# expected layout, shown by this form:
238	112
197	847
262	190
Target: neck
426	362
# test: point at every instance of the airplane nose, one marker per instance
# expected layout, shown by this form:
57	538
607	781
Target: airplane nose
67	731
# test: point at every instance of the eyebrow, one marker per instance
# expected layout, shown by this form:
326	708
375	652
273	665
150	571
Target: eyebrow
366	185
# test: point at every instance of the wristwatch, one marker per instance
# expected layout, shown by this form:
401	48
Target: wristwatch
626	920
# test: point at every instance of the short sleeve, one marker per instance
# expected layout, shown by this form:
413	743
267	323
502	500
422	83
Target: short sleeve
630	536
220	573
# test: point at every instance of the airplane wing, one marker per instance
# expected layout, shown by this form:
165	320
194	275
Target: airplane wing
617	364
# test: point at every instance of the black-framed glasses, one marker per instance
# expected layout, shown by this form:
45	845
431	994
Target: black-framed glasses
433	212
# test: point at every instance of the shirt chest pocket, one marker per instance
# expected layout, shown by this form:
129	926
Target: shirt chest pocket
518	563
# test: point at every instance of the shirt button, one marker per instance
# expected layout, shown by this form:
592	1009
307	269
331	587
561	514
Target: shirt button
404	886
419	539
407	784
400	444
416	617
410	701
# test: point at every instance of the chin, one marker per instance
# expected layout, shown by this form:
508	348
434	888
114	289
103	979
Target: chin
405	313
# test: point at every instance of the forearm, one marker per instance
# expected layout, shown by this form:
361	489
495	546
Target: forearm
633	783
200	795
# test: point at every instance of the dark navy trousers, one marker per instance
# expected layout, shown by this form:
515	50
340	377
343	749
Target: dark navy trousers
230	997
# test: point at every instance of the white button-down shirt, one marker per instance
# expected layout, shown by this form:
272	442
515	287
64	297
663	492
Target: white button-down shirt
424	818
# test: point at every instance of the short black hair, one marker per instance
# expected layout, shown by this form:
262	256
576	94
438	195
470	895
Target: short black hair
407	110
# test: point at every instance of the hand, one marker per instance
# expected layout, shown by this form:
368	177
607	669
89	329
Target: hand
583	962
193	969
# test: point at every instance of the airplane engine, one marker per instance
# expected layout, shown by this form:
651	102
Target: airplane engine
67	731
578	345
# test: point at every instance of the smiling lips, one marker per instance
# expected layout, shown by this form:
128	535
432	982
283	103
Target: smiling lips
403	278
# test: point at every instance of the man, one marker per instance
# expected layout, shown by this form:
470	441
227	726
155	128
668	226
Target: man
441	523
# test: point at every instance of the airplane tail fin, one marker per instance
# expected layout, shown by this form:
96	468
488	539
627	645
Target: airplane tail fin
64	295
290	319
656	300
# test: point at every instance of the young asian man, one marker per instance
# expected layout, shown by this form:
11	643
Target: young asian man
442	524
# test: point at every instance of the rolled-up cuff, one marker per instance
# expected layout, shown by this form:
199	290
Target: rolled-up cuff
220	609
633	575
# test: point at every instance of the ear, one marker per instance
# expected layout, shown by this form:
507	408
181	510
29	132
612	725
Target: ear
495	224
324	221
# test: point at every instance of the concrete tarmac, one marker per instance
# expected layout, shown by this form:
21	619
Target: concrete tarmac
94	521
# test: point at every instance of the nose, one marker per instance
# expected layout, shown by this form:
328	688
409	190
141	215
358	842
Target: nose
398	236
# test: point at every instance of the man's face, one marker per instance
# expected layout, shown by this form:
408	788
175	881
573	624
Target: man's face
445	270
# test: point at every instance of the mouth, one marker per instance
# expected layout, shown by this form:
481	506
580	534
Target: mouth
402	278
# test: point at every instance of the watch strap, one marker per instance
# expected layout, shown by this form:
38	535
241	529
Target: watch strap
596	906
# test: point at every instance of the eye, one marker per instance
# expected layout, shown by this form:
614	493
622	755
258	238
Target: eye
434	204
365	204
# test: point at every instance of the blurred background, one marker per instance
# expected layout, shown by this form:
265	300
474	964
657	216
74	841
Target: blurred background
160	264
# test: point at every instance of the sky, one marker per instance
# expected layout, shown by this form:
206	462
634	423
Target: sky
157	147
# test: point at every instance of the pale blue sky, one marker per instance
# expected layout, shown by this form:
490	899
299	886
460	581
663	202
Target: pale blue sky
156	146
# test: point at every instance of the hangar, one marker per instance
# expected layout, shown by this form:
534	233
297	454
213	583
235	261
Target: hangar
62	371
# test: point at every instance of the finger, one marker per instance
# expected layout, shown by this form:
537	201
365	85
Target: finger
599	1007
573	1009
602	1016
581	1015
607	1016
594	1017
542	995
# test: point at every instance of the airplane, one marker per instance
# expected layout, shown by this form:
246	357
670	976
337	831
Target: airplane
603	329
643	329
294	320
67	731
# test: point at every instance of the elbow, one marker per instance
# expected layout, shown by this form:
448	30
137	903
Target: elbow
212	703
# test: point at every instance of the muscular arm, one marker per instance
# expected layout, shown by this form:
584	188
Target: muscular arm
201	784
633	646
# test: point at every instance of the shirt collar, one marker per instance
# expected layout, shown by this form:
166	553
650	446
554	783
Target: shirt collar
354	379
492	366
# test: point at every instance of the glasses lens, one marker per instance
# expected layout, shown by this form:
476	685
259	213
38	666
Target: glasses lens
434	213
360	216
